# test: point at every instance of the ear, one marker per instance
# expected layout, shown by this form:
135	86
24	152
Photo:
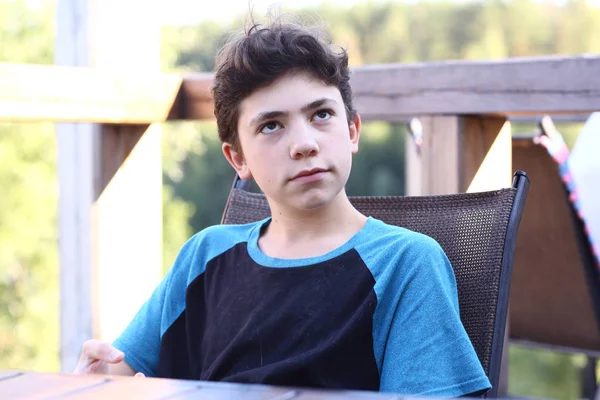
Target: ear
355	133
237	161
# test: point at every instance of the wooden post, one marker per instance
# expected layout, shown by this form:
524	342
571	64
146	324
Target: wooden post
440	158
461	154
75	145
110	181
486	148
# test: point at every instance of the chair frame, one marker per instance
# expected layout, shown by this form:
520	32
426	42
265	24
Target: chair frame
521	184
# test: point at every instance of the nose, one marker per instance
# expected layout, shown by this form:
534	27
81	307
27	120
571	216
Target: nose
303	142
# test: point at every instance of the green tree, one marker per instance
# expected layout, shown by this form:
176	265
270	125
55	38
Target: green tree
28	235
28	248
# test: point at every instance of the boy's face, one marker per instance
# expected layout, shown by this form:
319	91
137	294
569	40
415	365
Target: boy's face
296	142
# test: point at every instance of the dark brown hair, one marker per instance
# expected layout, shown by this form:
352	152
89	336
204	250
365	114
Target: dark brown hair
263	54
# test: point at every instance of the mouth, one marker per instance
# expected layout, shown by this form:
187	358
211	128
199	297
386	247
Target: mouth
306	174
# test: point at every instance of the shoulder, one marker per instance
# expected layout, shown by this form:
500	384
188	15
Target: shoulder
210	243
397	256
384	242
216	239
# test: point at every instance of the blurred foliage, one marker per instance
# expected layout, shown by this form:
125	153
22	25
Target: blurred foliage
546	374
28	208
28	247
197	178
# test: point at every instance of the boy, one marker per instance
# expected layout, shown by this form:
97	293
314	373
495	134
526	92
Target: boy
318	295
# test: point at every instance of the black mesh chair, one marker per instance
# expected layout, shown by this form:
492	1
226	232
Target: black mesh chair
477	231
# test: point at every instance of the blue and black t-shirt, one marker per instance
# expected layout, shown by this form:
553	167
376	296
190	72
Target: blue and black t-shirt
378	313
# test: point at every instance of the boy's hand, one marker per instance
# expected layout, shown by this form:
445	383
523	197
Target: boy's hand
96	356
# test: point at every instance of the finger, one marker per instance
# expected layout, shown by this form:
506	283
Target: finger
97	350
139	375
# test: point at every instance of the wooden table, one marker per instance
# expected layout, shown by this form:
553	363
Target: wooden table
32	385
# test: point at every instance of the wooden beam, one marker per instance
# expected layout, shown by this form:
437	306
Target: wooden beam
195	99
512	87
519	86
83	94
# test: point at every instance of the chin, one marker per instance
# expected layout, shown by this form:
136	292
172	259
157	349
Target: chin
313	205
313	201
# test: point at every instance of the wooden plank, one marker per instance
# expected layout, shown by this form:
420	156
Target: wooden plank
8	374
346	395
235	394
210	390
517	86
81	94
135	388
33	385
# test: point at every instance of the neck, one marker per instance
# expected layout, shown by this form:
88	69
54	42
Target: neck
337	217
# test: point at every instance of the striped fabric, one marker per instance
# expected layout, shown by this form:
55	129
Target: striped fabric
559	152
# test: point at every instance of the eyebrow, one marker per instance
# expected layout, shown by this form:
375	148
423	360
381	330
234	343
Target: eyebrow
263	116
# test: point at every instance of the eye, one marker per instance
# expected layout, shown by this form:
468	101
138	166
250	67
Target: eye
322	115
270	127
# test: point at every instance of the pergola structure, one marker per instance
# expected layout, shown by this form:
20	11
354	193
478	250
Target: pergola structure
108	95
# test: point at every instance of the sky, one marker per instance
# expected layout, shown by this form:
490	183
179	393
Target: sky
176	12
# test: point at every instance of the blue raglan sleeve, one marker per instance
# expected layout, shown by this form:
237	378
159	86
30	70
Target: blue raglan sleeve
140	341
424	347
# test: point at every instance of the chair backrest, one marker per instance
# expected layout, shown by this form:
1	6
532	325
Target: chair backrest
476	230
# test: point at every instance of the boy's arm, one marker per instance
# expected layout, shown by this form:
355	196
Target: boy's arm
427	350
122	368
